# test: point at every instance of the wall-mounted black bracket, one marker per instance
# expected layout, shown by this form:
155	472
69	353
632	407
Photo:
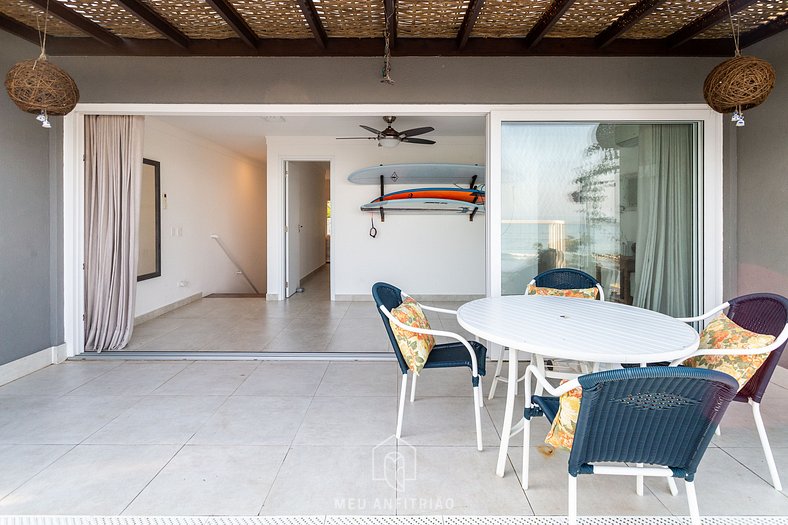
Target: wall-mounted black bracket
474	212
473	181
382	193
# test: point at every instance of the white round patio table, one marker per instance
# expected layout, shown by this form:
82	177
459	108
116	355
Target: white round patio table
569	328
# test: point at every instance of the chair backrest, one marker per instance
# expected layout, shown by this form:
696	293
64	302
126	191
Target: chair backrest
655	415
389	296
566	279
764	313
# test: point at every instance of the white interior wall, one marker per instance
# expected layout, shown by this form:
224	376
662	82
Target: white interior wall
312	236
210	190
423	254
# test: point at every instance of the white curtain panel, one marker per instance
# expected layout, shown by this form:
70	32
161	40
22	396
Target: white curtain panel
663	260
113	174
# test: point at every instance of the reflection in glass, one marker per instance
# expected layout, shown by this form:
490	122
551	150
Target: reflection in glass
618	201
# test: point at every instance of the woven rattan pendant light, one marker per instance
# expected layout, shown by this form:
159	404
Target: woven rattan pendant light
739	83
39	86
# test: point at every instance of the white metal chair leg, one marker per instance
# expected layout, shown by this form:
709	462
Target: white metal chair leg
674	490
508	415
767	450
497	374
692	499
477	395
571	514
717	431
539	365
401	409
413	388
639	482
526	452
481	392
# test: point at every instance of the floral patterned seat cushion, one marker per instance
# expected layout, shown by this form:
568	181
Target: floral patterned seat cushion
415	347
581	293
562	432
722	333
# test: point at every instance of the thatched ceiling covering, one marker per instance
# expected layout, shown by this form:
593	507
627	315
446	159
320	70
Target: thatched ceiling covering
416	27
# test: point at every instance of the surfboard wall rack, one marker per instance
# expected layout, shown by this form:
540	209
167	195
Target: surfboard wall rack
470	174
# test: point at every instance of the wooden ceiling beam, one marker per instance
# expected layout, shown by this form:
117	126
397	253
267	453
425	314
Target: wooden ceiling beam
471	14
370	47
313	19
230	15
546	22
19	29
78	21
153	19
390	11
752	36
705	21
634	15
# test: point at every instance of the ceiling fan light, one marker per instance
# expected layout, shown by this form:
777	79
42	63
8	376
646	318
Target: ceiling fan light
389	142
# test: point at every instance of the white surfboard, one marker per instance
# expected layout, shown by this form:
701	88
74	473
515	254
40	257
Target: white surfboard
452	174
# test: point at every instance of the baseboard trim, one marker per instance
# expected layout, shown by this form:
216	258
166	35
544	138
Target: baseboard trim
153	314
419	297
31	363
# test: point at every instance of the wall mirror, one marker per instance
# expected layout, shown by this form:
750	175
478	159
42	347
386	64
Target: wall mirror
149	265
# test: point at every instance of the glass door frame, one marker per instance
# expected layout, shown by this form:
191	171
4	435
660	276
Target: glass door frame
710	178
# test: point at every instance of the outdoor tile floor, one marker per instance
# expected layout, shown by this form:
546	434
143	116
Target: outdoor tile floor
285	438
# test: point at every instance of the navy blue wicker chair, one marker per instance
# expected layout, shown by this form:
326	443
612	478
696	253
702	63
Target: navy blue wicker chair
471	354
763	313
663	417
562	279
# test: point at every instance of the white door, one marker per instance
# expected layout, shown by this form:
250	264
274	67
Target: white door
292	231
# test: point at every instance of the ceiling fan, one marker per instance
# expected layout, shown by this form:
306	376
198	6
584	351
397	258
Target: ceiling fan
390	138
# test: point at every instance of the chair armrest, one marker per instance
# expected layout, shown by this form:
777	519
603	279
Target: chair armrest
532	370
441	333
701	317
781	339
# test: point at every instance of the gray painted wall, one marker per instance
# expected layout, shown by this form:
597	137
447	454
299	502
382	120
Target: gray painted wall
763	182
31	314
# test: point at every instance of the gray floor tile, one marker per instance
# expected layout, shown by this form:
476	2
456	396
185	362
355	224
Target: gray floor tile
283	378
57	379
305	334
360	379
62	420
360	334
332	480
362	310
456	481
754	460
159	420
725	487
22	462
446	421
211	480
208	378
348	421
89	480
132	378
254	420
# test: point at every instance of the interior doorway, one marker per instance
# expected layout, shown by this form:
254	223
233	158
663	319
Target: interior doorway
307	235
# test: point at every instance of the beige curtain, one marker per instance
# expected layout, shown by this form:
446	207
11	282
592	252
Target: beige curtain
113	171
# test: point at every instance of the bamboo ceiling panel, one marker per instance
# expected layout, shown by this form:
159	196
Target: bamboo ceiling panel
33	17
112	16
274	18
669	17
195	18
430	18
757	14
588	18
508	18
352	18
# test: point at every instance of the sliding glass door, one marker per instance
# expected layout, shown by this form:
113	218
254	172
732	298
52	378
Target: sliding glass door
621	201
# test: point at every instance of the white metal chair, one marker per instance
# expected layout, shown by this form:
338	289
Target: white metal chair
445	355
562	279
762	313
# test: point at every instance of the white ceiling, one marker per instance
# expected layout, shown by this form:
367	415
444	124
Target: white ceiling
246	135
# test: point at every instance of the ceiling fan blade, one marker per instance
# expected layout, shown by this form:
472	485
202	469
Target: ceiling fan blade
416	131
357	138
371	130
418	141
